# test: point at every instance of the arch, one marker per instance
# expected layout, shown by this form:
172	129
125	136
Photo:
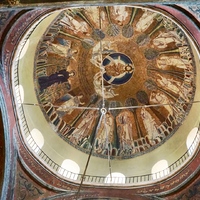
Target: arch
160	169
115	177
69	169
190	140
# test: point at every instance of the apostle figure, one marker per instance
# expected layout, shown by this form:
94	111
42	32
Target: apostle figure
70	102
164	61
163	39
150	125
125	132
84	129
120	14
59	77
62	50
169	84
160	98
172	85
105	134
70	23
145	21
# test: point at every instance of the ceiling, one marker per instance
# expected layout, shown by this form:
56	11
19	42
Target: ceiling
138	56
118	80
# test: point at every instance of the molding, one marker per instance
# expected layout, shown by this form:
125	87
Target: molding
18	4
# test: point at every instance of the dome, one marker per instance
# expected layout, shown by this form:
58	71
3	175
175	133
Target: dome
115	83
131	65
99	100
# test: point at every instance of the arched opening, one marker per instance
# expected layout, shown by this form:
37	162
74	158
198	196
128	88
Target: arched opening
20	94
36	140
115	177
69	169
190	143
160	169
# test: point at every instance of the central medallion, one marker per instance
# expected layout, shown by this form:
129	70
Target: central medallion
118	67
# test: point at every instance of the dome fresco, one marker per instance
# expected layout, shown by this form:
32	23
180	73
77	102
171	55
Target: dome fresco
118	79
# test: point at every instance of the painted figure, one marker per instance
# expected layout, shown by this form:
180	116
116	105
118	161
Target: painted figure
163	39
145	21
108	90
101	48
83	130
159	98
70	101
164	61
105	134
62	50
120	14
74	25
169	84
150	125
172	85
92	12
59	77
125	132
117	69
